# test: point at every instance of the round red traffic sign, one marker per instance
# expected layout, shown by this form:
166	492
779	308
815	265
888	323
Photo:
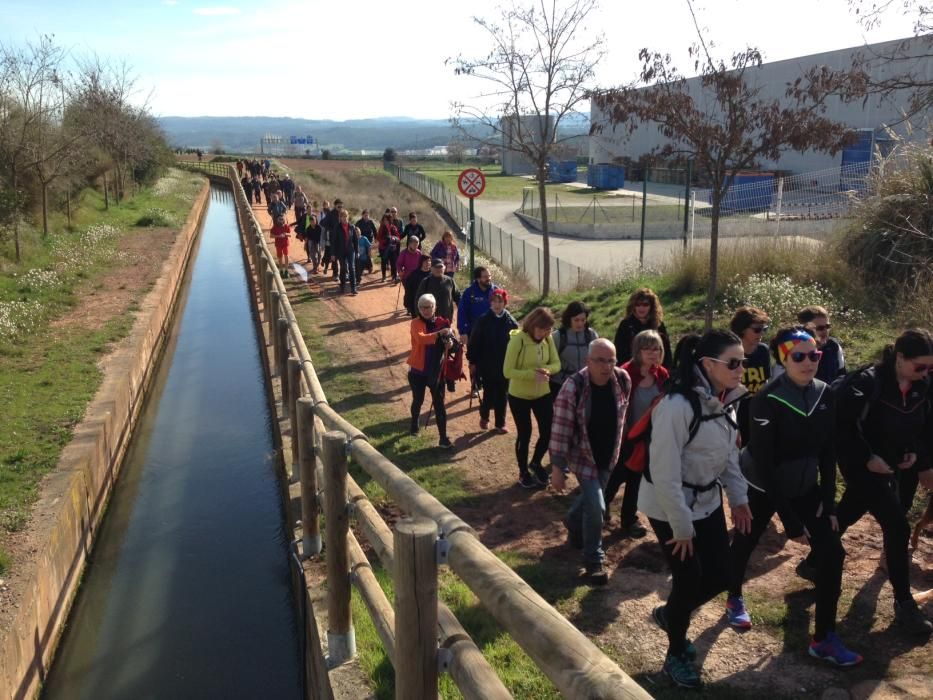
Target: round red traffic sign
471	182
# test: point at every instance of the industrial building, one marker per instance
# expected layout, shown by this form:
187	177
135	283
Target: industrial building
875	117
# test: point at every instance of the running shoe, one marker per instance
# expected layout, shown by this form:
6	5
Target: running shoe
831	649
501	429
633	531
527	481
540	474
445	443
484	424
659	614
682	671
595	575
908	617
738	615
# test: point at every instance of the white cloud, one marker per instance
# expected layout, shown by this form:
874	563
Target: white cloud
216	11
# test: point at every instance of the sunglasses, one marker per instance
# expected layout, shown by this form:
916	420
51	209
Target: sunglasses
732	364
813	356
758	329
822	328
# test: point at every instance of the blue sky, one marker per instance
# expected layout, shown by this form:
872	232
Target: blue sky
364	58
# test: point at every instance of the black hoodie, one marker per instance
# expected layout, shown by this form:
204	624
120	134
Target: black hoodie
792	446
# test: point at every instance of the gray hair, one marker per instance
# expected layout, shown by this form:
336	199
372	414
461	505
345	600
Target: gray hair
427	300
600	343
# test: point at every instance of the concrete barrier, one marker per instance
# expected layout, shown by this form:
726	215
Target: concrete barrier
74	496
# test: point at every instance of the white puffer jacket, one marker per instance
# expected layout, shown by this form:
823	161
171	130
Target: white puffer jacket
713	455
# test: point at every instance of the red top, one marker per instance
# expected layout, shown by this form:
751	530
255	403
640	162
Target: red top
281	230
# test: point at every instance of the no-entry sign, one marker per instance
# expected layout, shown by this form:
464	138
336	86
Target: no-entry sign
471	182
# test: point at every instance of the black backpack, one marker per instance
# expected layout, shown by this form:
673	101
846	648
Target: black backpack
842	383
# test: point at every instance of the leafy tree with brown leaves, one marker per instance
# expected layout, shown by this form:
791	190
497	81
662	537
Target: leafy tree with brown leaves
723	123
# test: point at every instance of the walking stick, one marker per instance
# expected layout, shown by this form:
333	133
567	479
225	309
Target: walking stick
440	378
398	296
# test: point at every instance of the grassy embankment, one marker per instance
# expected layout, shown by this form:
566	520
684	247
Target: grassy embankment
48	366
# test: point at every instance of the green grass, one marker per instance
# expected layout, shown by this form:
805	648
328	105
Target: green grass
499	186
48	375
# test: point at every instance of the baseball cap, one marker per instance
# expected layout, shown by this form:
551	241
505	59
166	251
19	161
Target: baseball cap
437	262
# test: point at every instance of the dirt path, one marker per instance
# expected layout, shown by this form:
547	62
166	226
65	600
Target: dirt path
770	658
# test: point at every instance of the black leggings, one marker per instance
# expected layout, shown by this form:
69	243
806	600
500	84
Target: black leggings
521	412
632	480
877	494
388	259
419	385
826	548
697	579
495	392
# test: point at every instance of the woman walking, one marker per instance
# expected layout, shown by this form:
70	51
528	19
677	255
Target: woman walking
573	340
648	376
790	467
409	259
693	450
884	416
643	313
489	339
430	338
530	360
446	250
388	239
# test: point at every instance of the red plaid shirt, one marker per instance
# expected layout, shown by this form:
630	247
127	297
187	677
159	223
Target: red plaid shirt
570	444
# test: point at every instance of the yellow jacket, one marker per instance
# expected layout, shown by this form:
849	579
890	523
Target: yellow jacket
522	357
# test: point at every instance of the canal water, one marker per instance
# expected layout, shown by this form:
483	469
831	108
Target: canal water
188	592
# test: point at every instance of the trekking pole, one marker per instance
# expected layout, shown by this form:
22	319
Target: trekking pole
398	296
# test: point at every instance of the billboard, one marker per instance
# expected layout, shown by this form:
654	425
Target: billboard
301	140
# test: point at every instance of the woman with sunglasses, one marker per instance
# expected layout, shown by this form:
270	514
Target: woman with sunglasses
643	313
790	466
693	450
750	324
882	446
833	362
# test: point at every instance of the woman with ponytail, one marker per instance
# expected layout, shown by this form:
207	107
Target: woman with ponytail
693	451
790	466
882	448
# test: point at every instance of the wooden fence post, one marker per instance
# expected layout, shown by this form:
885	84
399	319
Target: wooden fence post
310	509
341	639
281	357
294	392
416	657
270	286
273	331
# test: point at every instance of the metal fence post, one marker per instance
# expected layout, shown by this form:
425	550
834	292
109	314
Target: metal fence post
341	639
415	609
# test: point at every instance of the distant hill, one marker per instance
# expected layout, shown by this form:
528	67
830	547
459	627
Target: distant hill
244	133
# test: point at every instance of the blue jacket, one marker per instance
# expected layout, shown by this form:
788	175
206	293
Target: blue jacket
474	302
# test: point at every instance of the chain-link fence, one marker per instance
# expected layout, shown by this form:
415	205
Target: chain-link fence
521	258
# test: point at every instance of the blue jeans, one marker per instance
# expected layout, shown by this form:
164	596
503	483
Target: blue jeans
586	516
347	269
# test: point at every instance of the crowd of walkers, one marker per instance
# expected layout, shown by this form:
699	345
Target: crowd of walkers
766	424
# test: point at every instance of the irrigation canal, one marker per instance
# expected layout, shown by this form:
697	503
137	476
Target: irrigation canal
187	594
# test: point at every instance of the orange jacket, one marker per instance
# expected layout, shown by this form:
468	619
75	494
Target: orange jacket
422	340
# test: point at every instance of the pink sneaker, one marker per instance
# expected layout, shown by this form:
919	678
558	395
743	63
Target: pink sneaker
502	430
484	424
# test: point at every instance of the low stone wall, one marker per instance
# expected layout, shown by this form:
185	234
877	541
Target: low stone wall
74	496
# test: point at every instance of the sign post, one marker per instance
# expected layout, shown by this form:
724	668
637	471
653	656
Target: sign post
471	183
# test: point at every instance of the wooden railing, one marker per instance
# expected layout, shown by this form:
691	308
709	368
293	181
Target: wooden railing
420	634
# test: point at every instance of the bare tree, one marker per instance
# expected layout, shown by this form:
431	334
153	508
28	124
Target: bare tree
542	58
723	123
455	151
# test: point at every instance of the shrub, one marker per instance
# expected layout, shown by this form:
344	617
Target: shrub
156	217
891	237
781	297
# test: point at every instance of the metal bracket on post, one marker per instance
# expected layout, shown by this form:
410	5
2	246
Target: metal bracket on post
444	658
443	550
347	448
351	509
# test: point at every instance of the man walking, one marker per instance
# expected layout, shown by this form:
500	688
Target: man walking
442	287
586	438
345	239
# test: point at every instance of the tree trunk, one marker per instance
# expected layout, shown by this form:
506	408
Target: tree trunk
713	259
106	193
45	209
16	235
68	206
545	240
